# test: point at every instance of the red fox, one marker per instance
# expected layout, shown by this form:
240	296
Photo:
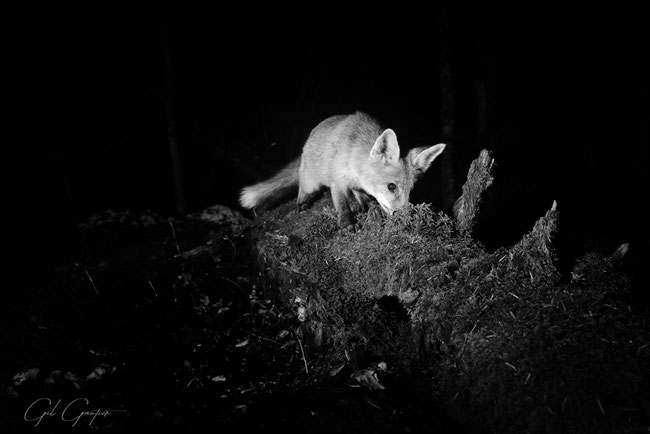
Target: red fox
353	156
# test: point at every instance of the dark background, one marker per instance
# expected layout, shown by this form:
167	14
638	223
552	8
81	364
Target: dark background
567	115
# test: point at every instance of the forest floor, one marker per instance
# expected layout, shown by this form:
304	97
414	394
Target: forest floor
162	325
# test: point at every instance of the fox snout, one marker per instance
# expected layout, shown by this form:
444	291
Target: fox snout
391	204
387	210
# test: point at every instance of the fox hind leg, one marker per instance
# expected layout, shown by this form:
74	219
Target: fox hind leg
307	194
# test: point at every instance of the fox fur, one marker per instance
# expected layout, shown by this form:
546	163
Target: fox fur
354	157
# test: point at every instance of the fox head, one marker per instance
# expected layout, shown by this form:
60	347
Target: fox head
389	178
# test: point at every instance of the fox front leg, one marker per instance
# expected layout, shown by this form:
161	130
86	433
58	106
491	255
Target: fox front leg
375	212
368	203
342	205
362	199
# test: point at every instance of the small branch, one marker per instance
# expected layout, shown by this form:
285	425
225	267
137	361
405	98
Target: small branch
303	355
258	336
152	288
178	250
91	281
621	251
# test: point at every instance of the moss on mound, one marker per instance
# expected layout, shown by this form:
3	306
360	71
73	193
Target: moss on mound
502	340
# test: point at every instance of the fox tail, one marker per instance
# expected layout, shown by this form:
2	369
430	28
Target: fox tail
274	190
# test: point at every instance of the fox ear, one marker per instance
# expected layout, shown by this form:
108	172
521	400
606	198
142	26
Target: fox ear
421	158
386	147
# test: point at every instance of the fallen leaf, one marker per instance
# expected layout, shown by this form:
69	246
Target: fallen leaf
242	343
367	378
26	375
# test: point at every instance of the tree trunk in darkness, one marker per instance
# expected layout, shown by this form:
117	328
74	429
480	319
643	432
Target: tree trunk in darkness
177	173
482	108
448	180
484	81
483	86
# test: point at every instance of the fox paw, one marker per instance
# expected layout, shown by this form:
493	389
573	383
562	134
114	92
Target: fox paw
347	224
375	214
351	228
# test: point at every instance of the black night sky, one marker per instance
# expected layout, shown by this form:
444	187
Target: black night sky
567	115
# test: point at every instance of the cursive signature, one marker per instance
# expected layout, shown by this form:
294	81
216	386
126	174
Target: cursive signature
72	412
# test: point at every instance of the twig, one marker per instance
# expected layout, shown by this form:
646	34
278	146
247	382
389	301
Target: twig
234	283
178	250
152	288
303	355
258	336
600	406
478	317
91	281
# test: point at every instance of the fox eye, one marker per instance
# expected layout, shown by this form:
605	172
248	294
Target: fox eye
391	187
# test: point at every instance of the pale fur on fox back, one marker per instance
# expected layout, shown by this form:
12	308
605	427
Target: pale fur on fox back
353	156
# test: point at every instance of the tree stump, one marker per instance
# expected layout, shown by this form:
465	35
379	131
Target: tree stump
509	345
